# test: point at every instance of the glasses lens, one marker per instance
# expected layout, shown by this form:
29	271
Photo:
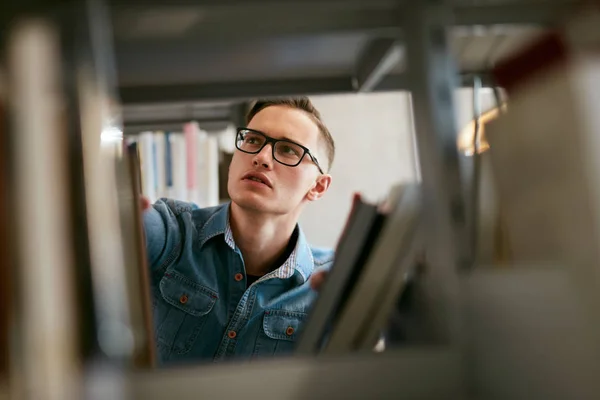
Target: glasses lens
249	141
288	153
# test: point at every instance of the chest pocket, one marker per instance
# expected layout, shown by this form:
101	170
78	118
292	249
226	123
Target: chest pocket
280	330
181	314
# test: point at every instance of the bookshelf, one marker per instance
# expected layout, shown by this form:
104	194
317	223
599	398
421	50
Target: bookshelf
345	47
180	165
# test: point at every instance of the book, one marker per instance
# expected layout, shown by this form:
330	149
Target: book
394	287
354	244
160	164
544	150
46	359
354	325
135	262
6	289
147	165
179	162
168	156
207	169
190	131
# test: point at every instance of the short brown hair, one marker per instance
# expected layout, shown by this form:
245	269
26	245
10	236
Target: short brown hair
302	103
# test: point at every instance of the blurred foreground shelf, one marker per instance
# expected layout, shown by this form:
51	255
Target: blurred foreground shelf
522	332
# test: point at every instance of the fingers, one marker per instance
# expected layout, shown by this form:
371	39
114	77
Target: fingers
317	279
144	203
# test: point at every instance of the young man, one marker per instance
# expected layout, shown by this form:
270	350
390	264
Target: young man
233	280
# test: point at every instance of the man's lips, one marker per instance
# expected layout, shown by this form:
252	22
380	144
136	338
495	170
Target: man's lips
258	177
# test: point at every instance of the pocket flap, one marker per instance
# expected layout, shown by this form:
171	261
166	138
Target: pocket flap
283	325
187	295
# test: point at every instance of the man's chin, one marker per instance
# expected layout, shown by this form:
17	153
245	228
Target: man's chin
259	204
252	202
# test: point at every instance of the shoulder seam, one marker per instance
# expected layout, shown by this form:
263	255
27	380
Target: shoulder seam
178	207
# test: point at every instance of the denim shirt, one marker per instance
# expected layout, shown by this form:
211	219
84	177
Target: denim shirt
202	309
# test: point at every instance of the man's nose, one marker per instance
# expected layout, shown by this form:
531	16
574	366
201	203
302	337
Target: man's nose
264	157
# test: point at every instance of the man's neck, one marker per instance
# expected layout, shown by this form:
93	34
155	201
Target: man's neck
261	238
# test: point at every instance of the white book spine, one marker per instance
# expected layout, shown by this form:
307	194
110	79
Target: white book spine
146	142
160	178
208	169
178	158
192	135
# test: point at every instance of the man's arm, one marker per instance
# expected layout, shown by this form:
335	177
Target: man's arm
163	237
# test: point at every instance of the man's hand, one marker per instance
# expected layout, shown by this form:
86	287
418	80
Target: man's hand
144	203
317	279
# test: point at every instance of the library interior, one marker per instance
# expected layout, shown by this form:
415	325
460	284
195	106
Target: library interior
299	199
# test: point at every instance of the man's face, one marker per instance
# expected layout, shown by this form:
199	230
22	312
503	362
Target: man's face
286	188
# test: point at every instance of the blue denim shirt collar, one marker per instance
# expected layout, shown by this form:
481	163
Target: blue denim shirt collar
301	259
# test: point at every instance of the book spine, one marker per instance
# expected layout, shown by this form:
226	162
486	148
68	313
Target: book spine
191	139
168	164
161	167
155	166
6	285
212	165
146	158
179	167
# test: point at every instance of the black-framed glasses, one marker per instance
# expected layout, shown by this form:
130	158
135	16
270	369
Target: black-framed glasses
284	151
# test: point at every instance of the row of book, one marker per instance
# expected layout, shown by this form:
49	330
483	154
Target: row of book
180	165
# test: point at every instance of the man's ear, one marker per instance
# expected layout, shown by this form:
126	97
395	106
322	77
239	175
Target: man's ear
319	188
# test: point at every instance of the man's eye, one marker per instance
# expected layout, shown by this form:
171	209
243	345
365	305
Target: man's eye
289	150
252	139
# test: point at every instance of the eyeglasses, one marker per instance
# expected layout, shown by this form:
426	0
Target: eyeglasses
285	151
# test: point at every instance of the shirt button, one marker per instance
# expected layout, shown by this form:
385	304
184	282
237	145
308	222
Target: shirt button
238	277
289	331
183	299
231	334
